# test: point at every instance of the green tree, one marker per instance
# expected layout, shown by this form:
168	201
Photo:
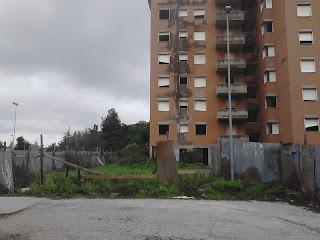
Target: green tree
66	141
21	144
113	131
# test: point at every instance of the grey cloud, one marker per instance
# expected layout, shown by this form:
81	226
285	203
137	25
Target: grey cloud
68	61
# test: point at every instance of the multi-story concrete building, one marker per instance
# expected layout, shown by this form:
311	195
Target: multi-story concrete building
274	71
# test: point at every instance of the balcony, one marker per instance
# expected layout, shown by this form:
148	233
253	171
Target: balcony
236	89
236	19
239	115
236	65
228	2
236	42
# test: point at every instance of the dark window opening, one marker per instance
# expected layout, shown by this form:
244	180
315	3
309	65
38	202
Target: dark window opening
164	14
251	70
268	26
164	129
183	80
253	115
164	37
312	129
196	156
201	129
252	92
254	137
271	102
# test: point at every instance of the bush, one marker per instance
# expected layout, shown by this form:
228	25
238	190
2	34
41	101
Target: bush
222	185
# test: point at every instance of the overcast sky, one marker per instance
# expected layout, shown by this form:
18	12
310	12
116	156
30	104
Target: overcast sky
66	62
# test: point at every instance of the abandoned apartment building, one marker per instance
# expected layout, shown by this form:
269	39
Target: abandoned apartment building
275	78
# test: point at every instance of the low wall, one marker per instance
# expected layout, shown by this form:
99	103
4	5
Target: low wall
6	176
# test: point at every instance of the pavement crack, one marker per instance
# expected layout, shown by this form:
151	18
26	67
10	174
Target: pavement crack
6	215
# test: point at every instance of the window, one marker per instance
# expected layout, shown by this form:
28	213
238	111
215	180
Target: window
199	13
200	105
309	94
306	37
267	26
183	103
164	37
199	36
273	128
183	12
200	58
201	129
307	65
311	124
200	82
183	34
164	14
183	79
164	58
304	10
183	128
271	102
269	51
164	129
183	57
163	105
163	81
265	4
270	76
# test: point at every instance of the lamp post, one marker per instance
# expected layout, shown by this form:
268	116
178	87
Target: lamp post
227	10
14	125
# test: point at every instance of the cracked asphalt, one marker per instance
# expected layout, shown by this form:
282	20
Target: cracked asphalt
157	220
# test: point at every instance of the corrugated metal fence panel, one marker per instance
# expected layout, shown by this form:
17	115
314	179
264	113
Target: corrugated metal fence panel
271	167
6	176
317	165
297	159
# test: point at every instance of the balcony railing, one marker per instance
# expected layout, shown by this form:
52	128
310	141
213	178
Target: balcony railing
236	18
236	89
228	2
236	65
223	115
235	42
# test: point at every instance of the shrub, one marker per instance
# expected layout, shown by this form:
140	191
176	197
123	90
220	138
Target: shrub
126	189
255	190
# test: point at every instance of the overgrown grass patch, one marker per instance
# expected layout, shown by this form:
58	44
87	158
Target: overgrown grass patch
198	186
120	170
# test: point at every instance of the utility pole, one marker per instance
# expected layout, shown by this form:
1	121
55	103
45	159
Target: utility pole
227	10
14	125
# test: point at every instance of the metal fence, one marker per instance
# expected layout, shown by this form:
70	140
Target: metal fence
254	161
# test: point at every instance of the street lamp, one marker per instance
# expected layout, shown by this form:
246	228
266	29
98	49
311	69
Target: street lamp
14	125
227	10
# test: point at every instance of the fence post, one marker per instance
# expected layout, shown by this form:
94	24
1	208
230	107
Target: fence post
41	160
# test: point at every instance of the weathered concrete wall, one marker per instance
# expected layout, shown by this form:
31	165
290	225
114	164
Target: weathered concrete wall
6	176
166	161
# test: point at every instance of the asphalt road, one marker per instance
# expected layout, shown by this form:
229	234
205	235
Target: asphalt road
157	220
